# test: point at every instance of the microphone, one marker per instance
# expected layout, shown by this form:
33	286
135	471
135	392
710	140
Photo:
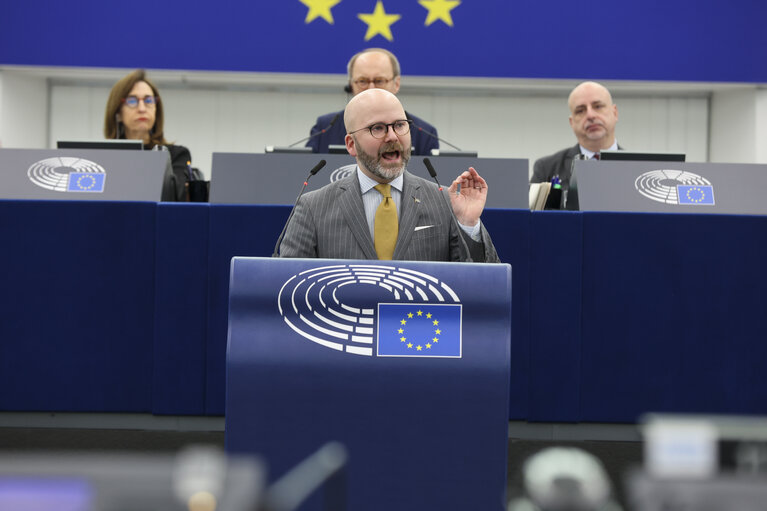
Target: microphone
317	134
433	174
570	199
434	135
293	210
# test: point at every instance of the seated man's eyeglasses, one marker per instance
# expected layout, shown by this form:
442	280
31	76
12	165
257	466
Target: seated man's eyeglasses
377	82
380	129
149	101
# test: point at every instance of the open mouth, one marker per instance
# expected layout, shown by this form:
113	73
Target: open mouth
391	155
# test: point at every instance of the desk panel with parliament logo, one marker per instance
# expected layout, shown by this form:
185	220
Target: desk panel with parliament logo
275	178
671	187
405	363
85	174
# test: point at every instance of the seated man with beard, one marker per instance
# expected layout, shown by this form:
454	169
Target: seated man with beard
382	211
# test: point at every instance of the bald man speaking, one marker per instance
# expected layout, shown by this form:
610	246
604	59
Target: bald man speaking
382	211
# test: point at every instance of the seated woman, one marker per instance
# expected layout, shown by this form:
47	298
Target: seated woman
134	111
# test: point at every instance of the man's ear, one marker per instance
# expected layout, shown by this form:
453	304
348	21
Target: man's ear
350	146
396	84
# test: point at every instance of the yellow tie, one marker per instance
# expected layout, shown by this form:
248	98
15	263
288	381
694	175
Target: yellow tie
385	228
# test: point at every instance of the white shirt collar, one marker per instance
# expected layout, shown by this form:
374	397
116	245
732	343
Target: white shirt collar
367	183
590	154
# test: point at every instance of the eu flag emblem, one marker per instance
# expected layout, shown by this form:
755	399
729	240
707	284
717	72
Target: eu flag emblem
695	194
419	330
86	182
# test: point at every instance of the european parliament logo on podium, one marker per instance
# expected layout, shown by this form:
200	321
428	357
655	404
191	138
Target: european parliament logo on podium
67	174
386	357
670	186
374	310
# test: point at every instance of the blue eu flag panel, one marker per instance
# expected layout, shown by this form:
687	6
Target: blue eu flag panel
405	363
86	182
695	194
419	330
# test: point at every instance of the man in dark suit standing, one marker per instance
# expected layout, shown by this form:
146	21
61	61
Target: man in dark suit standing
381	211
371	68
593	117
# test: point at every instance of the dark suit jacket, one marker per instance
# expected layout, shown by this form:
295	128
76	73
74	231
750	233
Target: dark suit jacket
557	164
174	188
422	143
330	223
179	156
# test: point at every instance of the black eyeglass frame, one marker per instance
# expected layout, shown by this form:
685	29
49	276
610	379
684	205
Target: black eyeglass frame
407	122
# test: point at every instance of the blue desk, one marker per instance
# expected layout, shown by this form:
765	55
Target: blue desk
122	307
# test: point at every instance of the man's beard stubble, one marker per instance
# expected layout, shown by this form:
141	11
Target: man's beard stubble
375	164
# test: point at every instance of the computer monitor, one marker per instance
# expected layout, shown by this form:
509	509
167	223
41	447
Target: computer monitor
100	144
449	152
287	149
629	156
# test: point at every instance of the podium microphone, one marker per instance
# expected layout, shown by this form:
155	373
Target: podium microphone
314	170
323	130
433	174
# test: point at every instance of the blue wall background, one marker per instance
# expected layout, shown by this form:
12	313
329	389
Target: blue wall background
679	40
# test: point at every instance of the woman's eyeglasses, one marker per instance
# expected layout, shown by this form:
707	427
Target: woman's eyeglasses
149	101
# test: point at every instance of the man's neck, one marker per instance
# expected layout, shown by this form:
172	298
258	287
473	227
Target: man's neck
598	146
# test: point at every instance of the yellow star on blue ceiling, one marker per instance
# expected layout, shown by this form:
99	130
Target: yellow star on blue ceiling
439	10
379	22
319	9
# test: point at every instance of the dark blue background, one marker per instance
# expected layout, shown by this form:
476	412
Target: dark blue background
123	307
684	40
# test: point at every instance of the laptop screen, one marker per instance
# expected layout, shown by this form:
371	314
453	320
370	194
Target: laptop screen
629	156
100	144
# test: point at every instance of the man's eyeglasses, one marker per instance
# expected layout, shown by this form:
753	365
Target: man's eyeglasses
380	129
377	82
149	101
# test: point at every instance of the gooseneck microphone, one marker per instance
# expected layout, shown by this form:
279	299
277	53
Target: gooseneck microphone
314	170
320	132
433	174
434	135
570	200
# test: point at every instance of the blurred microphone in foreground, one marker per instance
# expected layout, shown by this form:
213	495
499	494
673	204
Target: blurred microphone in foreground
564	479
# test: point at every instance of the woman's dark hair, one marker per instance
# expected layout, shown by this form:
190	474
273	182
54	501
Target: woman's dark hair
113	128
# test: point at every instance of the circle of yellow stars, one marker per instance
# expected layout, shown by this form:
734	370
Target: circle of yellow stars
429	342
379	21
699	198
81	186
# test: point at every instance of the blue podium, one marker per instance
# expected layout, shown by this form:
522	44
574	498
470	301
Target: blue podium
405	363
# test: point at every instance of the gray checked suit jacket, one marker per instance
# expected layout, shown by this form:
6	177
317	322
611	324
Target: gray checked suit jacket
330	223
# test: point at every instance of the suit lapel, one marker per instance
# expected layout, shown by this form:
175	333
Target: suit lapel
410	212
350	202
